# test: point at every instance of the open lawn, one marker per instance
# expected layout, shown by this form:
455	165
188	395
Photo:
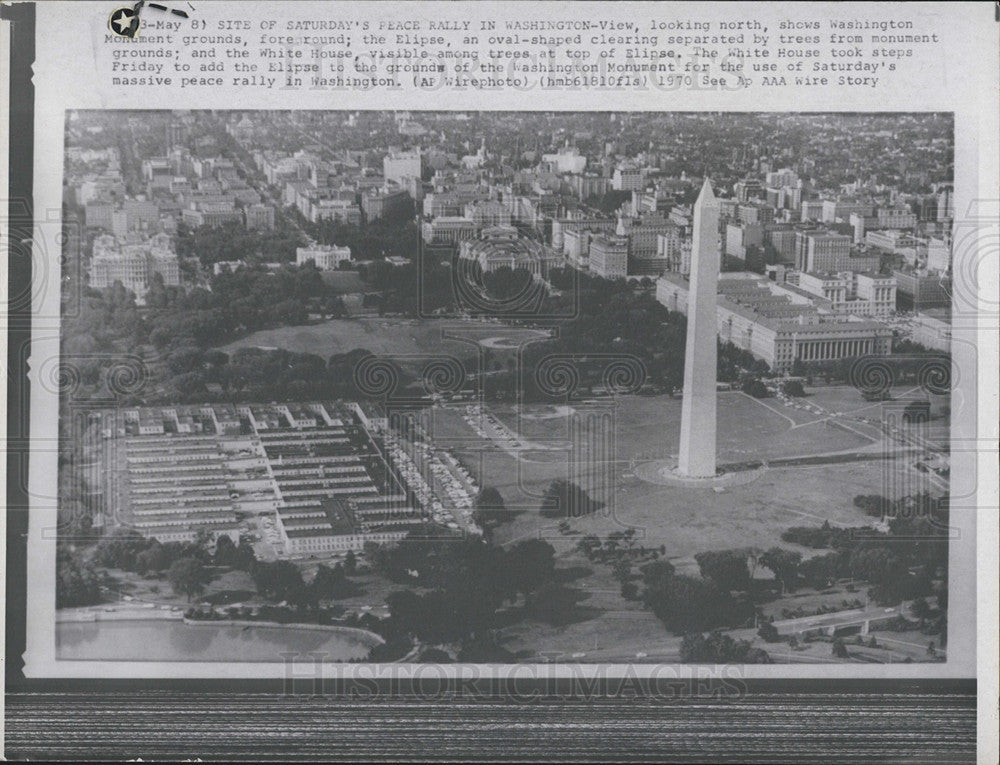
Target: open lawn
683	520
686	520
380	336
388	336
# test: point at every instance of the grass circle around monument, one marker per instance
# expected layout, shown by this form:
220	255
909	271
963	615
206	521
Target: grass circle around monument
664	472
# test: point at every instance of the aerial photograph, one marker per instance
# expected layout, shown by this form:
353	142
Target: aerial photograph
505	387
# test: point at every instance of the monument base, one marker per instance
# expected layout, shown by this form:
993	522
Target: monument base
666	473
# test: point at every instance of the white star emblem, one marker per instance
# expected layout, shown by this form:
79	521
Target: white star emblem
124	21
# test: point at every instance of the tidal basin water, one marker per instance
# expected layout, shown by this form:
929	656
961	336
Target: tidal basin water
173	640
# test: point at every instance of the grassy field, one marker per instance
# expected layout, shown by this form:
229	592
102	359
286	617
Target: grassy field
686	520
382	336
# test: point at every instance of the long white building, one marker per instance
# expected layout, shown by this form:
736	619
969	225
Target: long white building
133	264
780	324
326	257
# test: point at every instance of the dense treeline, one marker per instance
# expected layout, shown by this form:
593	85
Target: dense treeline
395	233
233	241
178	328
608	320
77	582
465	583
191	566
909	560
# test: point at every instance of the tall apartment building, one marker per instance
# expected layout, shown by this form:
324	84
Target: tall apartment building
812	211
211	214
892	241
376	201
878	291
782	178
674	250
748	189
821	251
609	256
900	218
834	210
562	225
627	179
259	217
487	213
938	255
332	208
567	160
586	186
754	213
740	237
399	165
97	214
922	289
641	233
782	240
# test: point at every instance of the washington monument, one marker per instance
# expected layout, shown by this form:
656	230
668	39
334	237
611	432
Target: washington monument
697	455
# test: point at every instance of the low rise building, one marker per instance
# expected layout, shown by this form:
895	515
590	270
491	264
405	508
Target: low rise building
448	230
779	323
259	217
133	264
325	257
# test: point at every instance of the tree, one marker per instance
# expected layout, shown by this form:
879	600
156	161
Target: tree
120	549
552	603
784	564
277	581
156	558
244	557
874	505
768	632
840	648
203	538
489	509
406	611
622	570
685	604
350	562
920	609
727	568
188	577
564	499
793	388
330	583
485	651
717	648
656	578
77	584
874	564
532	564
821	571
589	545
629	591
754	387
225	551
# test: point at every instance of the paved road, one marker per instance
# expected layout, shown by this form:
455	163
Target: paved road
836	619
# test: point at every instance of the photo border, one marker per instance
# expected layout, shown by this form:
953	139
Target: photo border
139	723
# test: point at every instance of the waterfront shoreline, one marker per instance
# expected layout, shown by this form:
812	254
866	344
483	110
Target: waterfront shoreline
378	639
88	615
